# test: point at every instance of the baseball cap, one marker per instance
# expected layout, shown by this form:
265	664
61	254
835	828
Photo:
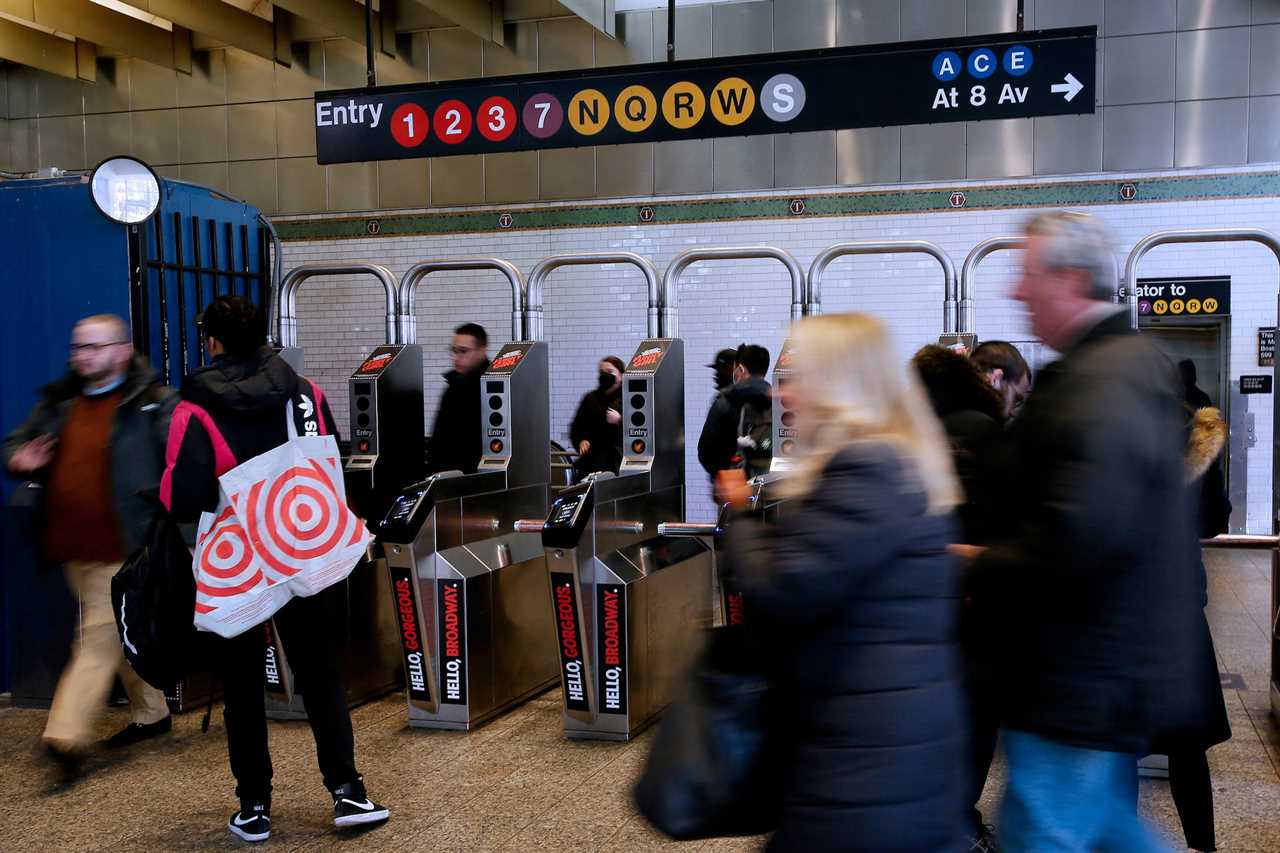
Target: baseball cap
724	358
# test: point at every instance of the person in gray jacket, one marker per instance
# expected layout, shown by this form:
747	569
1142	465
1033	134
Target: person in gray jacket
96	443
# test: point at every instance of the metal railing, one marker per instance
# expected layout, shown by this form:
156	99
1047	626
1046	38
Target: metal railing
287	331
408	320
668	323
1197	235
964	312
886	247
533	311
1242	541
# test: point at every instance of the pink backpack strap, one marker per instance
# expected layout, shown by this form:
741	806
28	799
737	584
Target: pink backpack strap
223	459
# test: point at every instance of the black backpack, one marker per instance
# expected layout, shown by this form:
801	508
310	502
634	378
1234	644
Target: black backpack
755	438
154	596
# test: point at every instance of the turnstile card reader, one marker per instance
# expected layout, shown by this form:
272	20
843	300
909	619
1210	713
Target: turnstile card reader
469	592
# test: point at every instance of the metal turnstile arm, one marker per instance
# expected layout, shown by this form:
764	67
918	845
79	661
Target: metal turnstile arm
688	528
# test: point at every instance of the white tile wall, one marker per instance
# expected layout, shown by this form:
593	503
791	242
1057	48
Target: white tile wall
592	312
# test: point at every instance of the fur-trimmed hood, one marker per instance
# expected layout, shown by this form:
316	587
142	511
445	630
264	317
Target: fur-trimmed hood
1206	440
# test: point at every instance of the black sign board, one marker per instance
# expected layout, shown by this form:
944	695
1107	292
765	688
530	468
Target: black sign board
649	355
378	360
1255	384
1267	346
569	640
451	599
509	357
611	647
1182	297
413	642
1012	75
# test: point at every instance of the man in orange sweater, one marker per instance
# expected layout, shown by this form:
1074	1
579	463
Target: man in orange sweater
96	440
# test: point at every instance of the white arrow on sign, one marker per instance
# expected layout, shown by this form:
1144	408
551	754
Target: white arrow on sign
1070	88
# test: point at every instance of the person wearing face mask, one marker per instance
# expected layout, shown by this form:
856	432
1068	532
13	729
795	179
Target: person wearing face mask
596	431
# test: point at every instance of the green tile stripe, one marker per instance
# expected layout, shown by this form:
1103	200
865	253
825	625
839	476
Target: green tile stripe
1064	194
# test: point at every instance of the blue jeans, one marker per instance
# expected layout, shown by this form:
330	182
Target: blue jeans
1063	799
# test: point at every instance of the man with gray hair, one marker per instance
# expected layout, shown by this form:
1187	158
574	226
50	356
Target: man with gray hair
1092	580
96	441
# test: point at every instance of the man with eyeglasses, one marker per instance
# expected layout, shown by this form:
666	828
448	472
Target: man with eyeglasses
457	434
96	440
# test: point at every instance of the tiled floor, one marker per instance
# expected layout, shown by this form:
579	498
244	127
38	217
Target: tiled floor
516	784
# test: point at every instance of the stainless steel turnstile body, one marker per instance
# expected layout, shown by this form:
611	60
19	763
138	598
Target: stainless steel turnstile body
469	594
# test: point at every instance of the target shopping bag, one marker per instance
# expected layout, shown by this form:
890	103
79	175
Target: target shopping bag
282	528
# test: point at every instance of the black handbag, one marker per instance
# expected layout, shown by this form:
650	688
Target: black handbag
713	769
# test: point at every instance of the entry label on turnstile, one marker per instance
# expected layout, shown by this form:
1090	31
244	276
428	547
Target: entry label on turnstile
411	639
451	597
611	642
569	640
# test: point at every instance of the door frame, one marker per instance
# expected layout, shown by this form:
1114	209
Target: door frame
1223	324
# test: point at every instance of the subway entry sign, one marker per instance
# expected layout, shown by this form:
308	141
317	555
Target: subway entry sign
1014	75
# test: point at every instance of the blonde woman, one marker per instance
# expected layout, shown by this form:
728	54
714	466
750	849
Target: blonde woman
856	597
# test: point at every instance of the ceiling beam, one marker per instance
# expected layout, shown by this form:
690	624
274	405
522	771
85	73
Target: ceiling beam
343	18
26	46
83	19
481	17
598	13
218	20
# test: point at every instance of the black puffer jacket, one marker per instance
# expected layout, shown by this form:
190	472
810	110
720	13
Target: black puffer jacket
591	423
973	417
137	440
457	433
855	594
718	443
1096	580
246	399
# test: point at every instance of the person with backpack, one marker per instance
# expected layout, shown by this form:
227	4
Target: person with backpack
739	427
96	441
232	411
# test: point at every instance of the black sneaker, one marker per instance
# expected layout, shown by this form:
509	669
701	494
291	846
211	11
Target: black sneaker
138	732
984	841
352	806
252	822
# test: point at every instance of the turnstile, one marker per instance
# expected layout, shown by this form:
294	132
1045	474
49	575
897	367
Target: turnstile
386	430
629	605
467	589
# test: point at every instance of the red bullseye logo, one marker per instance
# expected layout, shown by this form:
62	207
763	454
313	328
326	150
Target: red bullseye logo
496	118
299	517
409	125
452	122
227	565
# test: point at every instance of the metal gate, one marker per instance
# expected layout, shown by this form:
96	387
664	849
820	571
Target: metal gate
179	262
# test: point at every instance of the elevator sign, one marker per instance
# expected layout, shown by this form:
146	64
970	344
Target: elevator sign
1181	297
1016	75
